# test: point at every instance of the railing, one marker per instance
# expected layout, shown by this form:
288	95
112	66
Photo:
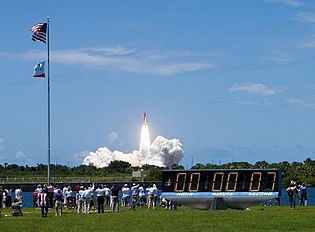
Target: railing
64	179
11	180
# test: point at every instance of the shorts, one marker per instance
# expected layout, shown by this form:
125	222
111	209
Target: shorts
58	204
115	199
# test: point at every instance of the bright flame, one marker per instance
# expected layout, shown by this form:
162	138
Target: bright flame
145	138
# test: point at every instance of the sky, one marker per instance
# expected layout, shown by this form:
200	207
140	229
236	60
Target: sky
232	80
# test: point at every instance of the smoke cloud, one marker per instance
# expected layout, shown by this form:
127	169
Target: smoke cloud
162	152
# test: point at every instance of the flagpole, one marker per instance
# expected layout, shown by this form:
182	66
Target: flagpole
48	92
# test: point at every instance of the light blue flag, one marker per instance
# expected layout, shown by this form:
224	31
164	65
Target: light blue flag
39	70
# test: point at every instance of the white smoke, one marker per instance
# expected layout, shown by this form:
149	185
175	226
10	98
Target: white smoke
162	152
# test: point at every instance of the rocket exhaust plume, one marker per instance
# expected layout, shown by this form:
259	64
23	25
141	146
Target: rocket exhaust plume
162	152
145	137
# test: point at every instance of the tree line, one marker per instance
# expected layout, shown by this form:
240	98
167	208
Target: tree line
301	172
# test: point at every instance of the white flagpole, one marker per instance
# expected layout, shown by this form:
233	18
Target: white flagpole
48	92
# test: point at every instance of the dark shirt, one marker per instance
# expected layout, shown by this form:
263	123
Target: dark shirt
115	192
58	196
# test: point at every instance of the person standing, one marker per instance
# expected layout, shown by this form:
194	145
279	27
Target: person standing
35	198
39	190
134	195
9	198
64	197
87	199
58	202
155	195
69	198
100	193
44	203
51	189
4	198
151	197
292	191
125	195
107	195
303	194
18	195
78	187
1	192
142	195
80	200
115	202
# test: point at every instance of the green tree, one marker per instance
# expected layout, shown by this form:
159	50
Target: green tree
178	167
118	166
309	167
261	165
198	166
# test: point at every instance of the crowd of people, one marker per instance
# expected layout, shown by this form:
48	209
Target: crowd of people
6	200
92	197
98	197
295	192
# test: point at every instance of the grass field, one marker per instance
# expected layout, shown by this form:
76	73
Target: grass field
259	218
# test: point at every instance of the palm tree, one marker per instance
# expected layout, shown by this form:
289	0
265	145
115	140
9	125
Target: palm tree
309	167
261	164
285	167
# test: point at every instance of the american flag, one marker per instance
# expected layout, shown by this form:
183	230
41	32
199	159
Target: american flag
39	30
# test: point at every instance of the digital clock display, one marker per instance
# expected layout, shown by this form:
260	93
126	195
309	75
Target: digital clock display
221	180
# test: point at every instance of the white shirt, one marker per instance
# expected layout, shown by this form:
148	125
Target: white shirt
141	192
100	192
107	191
155	190
9	192
125	192
18	194
39	190
87	193
4	196
68	193
64	190
134	190
80	194
151	191
43	199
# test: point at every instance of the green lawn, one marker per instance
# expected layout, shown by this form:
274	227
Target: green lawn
259	218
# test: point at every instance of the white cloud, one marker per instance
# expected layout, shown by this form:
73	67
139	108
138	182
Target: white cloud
108	51
301	103
19	155
254	103
306	17
293	3
1	144
121	59
278	58
162	152
257	88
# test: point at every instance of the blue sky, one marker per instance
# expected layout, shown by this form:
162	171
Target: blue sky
232	80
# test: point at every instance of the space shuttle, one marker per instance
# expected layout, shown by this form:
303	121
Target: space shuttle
144	121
